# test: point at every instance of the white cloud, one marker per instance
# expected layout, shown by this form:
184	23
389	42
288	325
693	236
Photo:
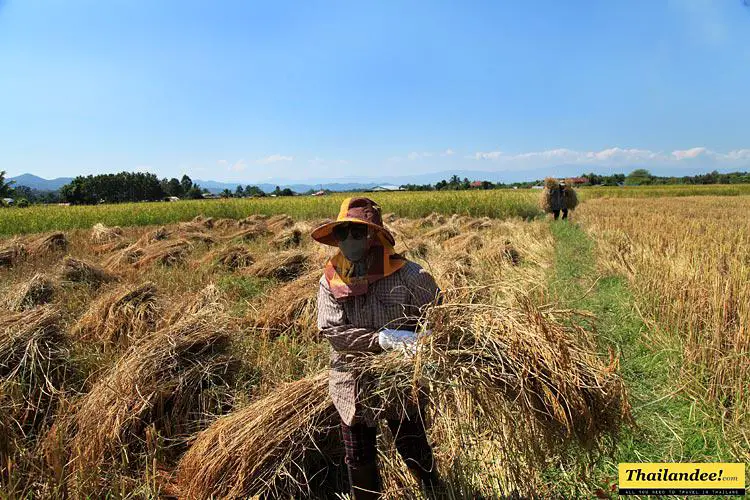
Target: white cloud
316	161
689	153
448	152
274	159
343	162
418	156
491	155
239	166
613	156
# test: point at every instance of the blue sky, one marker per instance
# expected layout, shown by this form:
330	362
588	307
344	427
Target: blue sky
246	91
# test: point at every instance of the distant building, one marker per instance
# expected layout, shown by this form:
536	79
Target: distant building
210	196
8	201
579	180
172	198
377	189
476	184
537	187
319	193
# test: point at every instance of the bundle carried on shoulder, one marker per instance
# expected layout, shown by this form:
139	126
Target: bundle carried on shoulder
553	198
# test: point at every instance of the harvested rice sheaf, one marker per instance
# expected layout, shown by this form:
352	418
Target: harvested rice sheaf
199	237
167	253
292	305
126	313
287	239
32	369
81	271
206	222
207	300
164	387
442	233
468	242
230	257
103	234
226	224
49	243
283	266
279	222
36	291
249	232
282	445
12	254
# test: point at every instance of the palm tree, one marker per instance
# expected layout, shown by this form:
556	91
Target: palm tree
5	189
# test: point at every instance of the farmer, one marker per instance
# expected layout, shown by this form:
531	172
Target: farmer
558	201
370	298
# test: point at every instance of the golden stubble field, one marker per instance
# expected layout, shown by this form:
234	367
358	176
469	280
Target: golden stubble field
121	349
688	262
183	360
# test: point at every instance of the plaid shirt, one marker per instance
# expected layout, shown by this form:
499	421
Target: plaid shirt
352	326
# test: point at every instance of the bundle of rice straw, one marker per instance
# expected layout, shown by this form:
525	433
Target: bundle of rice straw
442	233
81	271
111	246
229	257
434	219
226	223
390	218
168	253
206	222
253	220
467	242
279	222
124	314
477	224
570	198
103	234
519	379
12	254
287	239
294	305
36	291
48	243
32	367
126	256
152	236
205	301
517	364
164	387
283	266
249	232
417	249
283	445
198	236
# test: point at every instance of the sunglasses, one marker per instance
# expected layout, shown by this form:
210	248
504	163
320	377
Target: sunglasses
356	231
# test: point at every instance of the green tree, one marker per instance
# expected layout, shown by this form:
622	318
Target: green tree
639	177
254	191
186	183
5	187
239	192
226	193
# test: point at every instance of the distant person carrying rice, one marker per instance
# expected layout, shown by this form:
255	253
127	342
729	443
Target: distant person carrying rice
370	299
558	197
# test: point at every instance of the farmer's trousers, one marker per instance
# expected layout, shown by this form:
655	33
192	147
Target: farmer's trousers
360	444
556	213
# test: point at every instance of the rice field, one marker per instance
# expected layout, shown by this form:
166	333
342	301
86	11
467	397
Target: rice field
127	353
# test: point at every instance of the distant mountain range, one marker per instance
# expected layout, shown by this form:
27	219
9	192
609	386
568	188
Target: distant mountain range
34	182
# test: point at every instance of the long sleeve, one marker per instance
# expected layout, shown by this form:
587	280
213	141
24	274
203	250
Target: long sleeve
333	326
423	289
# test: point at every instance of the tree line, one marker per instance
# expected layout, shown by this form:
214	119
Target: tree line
638	177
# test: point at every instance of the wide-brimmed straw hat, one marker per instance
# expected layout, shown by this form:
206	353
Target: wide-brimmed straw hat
353	210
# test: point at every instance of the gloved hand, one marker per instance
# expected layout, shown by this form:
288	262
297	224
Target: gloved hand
399	339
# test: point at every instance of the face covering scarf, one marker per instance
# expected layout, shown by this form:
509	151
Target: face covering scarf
347	279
